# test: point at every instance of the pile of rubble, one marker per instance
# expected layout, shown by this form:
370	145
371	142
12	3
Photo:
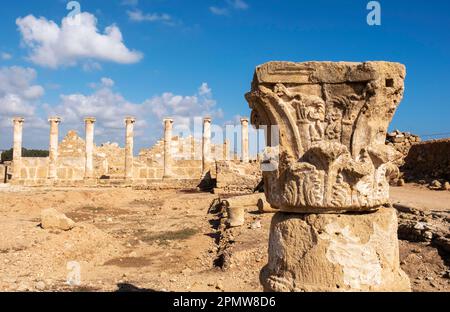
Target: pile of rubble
417	225
402	142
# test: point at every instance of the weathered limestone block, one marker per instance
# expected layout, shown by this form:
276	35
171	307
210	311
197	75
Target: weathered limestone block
236	176
334	252
72	145
236	216
52	219
244	200
332	120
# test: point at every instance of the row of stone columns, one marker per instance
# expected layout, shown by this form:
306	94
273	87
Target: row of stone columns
89	147
206	145
129	144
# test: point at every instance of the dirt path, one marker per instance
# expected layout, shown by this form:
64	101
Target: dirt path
421	197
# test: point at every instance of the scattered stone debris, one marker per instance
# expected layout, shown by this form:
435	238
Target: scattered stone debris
416	225
435	185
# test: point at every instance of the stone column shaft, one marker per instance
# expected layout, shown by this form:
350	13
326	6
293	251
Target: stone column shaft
226	149
89	166
193	148
17	146
244	140
53	147
206	144
129	147
168	125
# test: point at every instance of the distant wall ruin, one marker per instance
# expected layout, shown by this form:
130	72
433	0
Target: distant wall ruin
402	142
238	177
428	160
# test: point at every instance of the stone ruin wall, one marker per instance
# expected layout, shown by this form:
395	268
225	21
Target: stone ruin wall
428	160
109	161
421	160
402	142
237	177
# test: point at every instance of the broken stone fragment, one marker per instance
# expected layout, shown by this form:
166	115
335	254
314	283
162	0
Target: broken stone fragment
236	216
52	219
244	200
435	185
446	186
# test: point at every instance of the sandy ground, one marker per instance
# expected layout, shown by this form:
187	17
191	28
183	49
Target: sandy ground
421	197
130	240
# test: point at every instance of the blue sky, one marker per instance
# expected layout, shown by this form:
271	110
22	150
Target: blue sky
200	56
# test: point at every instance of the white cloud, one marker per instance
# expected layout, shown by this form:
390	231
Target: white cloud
204	89
139	16
19	96
110	108
229	6
5	56
91	66
219	11
53	46
238	4
18	81
107	82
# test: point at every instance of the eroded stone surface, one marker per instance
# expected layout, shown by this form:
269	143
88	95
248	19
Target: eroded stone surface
332	119
52	219
334	252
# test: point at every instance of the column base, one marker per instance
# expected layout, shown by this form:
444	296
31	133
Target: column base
334	252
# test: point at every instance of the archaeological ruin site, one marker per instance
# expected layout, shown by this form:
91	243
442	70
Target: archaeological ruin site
333	201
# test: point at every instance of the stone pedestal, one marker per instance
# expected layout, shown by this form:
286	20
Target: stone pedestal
334	252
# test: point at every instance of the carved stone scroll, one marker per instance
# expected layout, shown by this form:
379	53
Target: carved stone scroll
332	120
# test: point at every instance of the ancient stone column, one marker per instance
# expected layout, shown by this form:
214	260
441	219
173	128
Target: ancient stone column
89	166
53	147
206	144
329	181
226	149
244	140
168	125
129	147
17	146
